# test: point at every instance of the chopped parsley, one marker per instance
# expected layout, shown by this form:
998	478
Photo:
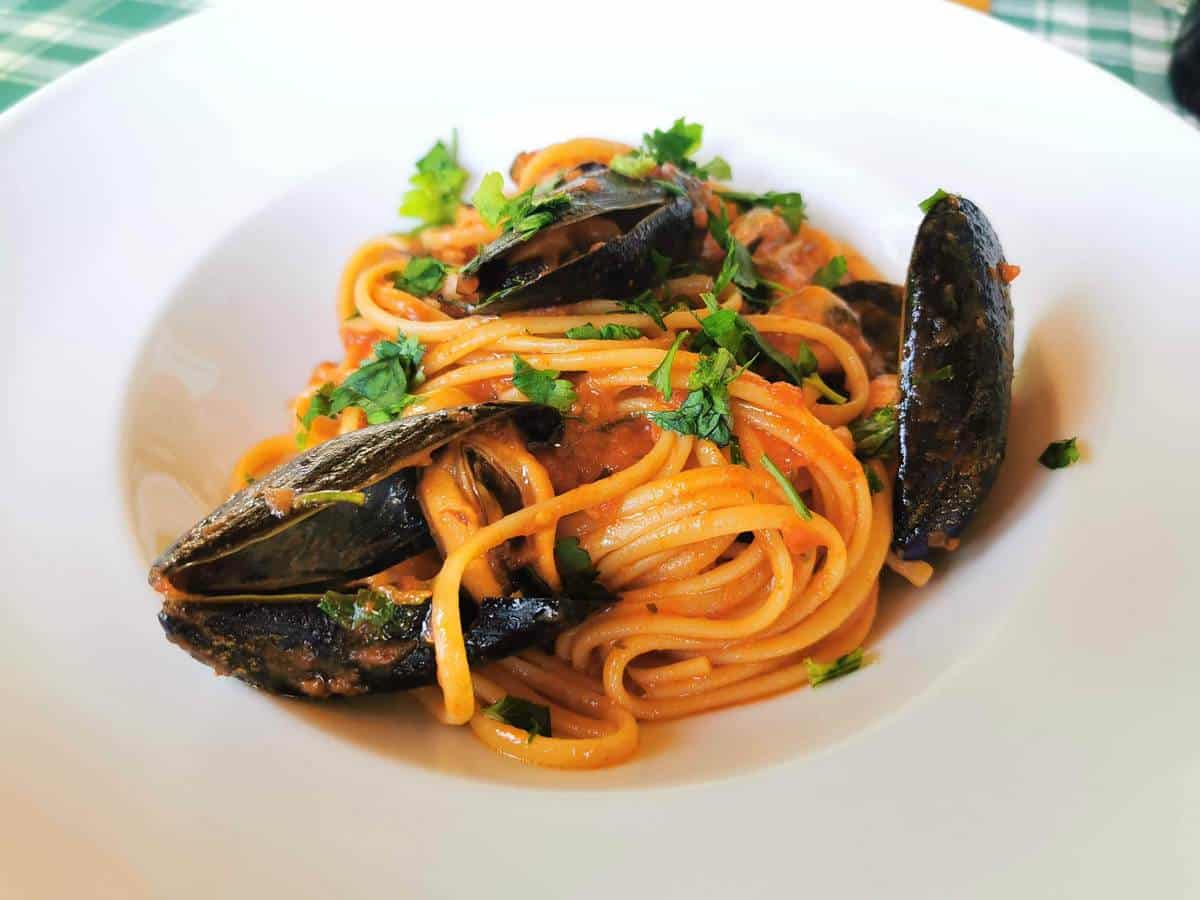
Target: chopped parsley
932	200
578	574
379	386
816	381
437	187
1060	454
873	481
705	412
788	205
519	713
661	376
819	673
788	488
806	360
323	498
674	146
609	332
370	612
525	214
648	305
662	266
945	373
831	274
806	365
542	385
875	435
421	277
744	273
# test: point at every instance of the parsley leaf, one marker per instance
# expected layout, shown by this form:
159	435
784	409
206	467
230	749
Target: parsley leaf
831	274
717	169
789	205
661	376
875	435
789	489
816	381
648	305
806	360
932	200
578	574
542	385
633	165
609	332
873	481
437	186
945	373
370	612
674	146
525	214
1060	454
728	329
421	276
520	713
819	673
745	273
705	412
379	386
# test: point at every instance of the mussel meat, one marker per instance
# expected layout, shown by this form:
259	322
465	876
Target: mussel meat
878	305
248	589
602	244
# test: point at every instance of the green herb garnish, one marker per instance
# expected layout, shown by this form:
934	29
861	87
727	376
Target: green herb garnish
661	376
609	332
705	412
674	146
648	305
542	385
873	481
819	673
579	575
789	205
1060	454
932	200
831	274
789	489
421	277
816	381
519	713
945	373
324	498
525	214
875	435
437	187
379	386
370	612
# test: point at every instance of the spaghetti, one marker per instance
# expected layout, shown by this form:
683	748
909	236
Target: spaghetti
729	587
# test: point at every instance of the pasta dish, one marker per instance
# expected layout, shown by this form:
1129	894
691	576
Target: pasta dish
616	444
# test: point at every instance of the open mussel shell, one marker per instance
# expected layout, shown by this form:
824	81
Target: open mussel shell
879	306
955	376
602	245
294	648
262	540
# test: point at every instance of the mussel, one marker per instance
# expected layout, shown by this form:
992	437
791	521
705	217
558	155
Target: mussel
602	243
268	588
878	305
956	369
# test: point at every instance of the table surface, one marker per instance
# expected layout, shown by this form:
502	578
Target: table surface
43	39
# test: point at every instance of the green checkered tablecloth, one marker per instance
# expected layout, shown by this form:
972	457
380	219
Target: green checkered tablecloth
42	39
1130	38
